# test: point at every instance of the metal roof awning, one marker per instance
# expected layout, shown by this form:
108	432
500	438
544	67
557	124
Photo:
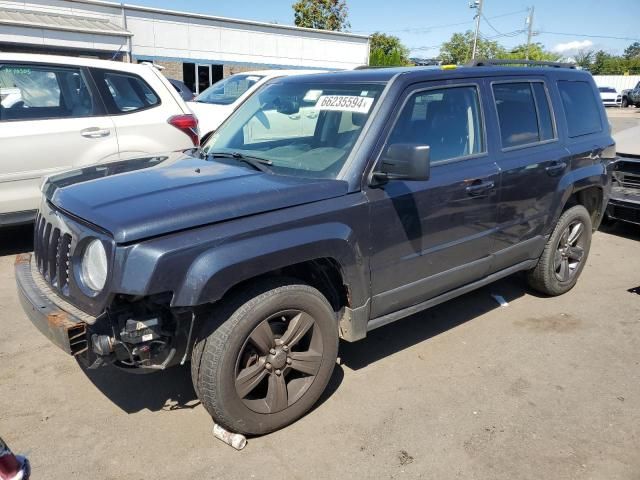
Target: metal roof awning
57	21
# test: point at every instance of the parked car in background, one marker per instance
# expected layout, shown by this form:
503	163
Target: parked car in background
631	96
610	96
624	204
255	254
59	113
216	103
184	91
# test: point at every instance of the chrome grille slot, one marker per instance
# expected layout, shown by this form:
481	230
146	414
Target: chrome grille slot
63	258
52	259
46	249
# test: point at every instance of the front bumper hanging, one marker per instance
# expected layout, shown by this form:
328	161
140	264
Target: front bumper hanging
60	322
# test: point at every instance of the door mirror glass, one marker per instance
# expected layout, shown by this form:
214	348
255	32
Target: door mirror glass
406	161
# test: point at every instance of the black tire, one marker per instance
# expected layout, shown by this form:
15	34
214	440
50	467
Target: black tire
238	350
625	102
557	270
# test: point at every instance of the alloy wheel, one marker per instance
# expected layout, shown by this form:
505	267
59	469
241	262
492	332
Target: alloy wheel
279	361
569	252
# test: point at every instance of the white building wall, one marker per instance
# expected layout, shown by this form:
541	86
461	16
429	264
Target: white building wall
162	34
619	82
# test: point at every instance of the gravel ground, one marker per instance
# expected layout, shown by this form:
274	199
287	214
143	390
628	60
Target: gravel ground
544	388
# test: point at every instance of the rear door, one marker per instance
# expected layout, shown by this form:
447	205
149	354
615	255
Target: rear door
532	161
52	120
140	109
432	236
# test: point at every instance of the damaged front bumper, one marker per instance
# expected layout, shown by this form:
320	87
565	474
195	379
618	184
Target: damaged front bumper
59	321
139	336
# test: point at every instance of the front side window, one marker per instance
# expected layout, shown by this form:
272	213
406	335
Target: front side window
447	119
301	128
29	92
523	112
127	93
227	91
580	107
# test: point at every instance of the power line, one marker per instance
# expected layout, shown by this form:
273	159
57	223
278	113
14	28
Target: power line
588	36
492	27
435	27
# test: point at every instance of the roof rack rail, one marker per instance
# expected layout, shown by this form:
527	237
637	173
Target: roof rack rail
528	63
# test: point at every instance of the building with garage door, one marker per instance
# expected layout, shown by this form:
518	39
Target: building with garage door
197	49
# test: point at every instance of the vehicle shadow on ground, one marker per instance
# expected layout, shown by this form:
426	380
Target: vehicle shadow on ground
14	240
622	229
422	326
166	390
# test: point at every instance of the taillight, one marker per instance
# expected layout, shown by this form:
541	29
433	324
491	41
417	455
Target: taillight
187	124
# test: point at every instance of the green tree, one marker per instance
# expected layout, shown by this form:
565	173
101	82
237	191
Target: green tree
536	52
387	51
459	48
584	58
322	14
632	51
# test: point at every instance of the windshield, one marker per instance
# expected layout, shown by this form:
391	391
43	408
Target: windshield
227	91
306	129
607	90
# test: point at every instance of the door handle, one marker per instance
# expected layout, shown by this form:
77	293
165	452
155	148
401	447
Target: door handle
478	187
95	132
555	168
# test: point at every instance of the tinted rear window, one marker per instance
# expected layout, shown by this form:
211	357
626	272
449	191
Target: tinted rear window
523	112
580	108
125	92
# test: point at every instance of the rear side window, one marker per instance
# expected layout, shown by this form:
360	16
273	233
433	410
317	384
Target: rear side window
126	93
580	107
524	113
447	119
30	92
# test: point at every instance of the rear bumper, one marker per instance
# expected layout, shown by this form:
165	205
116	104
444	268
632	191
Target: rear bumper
67	331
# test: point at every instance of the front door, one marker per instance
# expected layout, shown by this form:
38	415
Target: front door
432	236
50	120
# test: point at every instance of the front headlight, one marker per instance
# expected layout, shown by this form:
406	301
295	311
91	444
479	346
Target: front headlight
94	266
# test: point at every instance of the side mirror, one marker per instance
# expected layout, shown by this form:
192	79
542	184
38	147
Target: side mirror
404	161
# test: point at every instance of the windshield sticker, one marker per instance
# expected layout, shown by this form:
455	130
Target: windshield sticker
252	78
312	96
18	70
350	103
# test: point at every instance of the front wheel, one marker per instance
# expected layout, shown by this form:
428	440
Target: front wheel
564	255
269	362
625	102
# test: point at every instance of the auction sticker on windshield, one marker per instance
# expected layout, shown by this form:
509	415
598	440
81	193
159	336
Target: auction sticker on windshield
349	103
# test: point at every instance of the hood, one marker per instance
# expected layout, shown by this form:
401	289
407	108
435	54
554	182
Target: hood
210	116
148	197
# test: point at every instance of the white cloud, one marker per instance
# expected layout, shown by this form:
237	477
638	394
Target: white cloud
572	47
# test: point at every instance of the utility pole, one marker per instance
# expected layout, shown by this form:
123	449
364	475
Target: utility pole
529	30
476	4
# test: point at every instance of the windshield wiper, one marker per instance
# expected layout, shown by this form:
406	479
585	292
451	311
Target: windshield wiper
258	163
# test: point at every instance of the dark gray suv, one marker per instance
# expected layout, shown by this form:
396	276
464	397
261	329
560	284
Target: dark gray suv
326	206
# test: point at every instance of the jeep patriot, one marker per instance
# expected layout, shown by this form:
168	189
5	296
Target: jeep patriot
326	206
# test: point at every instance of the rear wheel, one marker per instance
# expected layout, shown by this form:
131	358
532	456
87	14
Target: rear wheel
565	254
625	102
269	362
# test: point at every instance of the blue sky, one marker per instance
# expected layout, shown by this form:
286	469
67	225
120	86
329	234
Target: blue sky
424	24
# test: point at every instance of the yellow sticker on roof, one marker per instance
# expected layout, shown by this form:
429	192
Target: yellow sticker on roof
350	103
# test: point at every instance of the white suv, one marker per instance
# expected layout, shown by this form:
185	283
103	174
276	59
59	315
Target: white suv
216	103
59	113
